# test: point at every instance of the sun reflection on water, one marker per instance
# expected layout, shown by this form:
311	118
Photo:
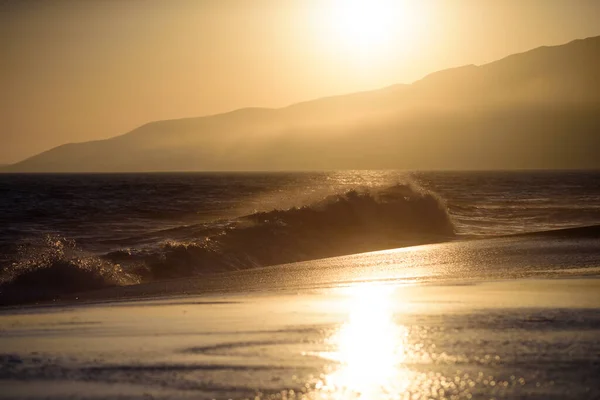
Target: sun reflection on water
369	348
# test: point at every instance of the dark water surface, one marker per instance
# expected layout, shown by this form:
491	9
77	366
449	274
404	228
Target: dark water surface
85	231
99	206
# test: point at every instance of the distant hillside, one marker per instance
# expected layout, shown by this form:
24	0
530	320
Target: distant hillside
539	109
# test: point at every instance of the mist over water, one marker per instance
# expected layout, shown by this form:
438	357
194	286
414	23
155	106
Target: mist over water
67	233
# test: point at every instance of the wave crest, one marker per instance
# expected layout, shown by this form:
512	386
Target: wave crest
53	266
356	221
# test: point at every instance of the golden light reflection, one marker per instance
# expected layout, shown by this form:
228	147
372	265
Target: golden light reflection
369	347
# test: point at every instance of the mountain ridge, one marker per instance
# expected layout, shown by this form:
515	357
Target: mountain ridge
530	95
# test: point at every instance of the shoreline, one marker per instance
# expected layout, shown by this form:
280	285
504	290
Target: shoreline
101	299
343	342
515	256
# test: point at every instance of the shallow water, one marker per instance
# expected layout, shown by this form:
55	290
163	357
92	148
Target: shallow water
513	317
534	339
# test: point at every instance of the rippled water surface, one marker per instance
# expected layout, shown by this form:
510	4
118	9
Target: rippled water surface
359	341
92	208
69	233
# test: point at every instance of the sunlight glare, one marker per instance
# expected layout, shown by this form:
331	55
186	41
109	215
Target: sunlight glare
369	347
364	23
370	29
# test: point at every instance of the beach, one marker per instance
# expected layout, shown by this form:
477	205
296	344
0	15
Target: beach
300	200
337	328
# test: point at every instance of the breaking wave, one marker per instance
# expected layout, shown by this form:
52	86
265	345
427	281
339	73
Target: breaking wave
359	220
53	266
356	221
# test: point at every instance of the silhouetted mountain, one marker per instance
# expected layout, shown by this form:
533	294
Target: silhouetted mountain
539	109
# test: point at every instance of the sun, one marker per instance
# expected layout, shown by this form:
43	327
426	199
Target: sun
363	22
369	29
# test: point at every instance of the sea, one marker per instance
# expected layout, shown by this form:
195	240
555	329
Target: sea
64	233
316	285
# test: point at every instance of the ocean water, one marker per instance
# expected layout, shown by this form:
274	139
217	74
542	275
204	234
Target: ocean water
68	233
472	311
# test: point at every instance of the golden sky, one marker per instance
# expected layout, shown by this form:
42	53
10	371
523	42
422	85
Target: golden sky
81	70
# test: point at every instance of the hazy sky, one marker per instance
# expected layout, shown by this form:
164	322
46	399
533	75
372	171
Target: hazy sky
81	70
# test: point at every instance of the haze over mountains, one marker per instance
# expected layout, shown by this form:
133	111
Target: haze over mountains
539	109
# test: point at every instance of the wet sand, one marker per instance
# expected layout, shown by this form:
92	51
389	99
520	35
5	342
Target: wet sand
515	317
528	338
